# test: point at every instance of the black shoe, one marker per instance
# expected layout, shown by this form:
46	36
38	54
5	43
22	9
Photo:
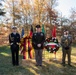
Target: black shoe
17	64
70	65
40	65
13	65
62	64
36	65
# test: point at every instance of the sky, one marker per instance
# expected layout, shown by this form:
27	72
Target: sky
64	6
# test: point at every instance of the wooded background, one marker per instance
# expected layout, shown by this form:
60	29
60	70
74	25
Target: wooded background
23	13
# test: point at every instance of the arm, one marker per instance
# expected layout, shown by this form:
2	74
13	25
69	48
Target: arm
43	40
62	41
18	40
33	40
10	41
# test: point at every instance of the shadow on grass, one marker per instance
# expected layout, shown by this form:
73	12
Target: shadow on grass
50	68
74	54
6	67
74	45
28	67
55	68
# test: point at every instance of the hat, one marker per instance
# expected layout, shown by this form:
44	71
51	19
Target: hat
38	26
14	27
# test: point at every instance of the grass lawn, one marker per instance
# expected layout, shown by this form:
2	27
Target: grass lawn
27	67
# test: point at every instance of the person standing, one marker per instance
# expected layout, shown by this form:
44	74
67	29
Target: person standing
14	40
66	41
38	39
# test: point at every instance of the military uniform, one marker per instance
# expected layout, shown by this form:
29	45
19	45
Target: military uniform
66	48
38	38
14	40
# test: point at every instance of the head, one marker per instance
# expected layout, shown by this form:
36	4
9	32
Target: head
14	29
38	28
67	32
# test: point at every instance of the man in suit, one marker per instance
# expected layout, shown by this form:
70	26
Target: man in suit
38	39
66	41
14	40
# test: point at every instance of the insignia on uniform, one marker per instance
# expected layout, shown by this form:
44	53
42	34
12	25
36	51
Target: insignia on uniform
35	34
12	38
41	34
69	37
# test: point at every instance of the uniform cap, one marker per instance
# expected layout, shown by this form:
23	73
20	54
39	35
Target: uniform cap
38	26
14	27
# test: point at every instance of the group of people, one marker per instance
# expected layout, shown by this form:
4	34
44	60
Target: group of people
38	39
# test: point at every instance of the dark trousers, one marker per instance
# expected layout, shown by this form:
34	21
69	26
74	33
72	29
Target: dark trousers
38	56
68	53
15	55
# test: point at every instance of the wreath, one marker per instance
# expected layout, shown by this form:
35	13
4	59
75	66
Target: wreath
52	45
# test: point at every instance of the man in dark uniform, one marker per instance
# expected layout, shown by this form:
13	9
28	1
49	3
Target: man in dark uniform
66	42
14	40
38	39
